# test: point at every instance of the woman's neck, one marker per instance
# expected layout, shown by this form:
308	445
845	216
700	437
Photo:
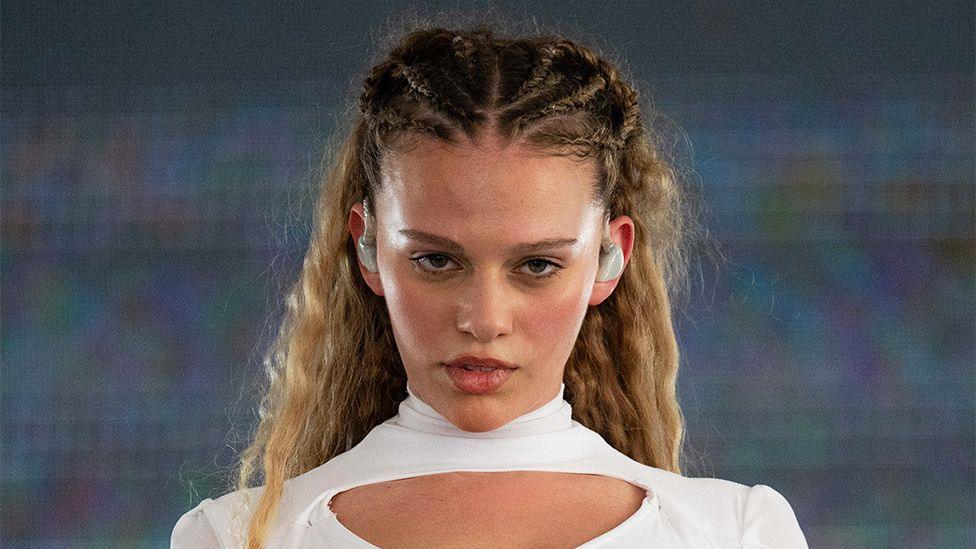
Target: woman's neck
554	415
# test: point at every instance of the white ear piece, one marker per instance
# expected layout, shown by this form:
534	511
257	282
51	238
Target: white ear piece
611	264
367	254
611	257
366	244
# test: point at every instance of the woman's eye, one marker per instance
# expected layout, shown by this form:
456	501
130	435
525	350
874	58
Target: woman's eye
434	264
537	267
437	261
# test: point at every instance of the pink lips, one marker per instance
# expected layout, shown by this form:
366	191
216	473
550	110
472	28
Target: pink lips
471	360
486	375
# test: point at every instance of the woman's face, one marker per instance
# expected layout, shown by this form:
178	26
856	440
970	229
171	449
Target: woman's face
448	221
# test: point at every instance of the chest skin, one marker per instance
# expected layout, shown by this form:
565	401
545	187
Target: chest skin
519	509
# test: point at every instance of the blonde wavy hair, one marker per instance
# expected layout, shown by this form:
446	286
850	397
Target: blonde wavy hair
333	371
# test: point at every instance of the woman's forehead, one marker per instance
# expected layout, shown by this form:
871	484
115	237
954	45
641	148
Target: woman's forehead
501	182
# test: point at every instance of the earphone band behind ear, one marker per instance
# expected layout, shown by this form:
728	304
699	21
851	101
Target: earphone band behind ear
611	256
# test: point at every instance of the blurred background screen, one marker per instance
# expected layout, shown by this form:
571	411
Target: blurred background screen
157	162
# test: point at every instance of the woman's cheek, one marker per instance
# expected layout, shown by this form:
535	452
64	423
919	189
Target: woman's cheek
429	313
555	320
419	314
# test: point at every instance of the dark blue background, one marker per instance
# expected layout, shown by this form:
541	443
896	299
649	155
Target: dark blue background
156	164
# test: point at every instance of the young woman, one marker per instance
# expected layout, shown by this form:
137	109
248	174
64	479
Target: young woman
479	349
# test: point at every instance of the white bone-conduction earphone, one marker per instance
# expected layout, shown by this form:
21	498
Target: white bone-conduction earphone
367	241
611	256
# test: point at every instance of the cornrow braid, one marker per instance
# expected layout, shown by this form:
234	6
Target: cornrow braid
602	138
627	97
581	97
368	99
631	124
417	84
591	59
539	71
421	88
463	48
464	51
389	122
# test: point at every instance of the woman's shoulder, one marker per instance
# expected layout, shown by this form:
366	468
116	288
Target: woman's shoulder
769	520
217	522
202	526
750	516
756	516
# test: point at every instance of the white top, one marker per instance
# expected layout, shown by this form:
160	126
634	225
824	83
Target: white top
677	512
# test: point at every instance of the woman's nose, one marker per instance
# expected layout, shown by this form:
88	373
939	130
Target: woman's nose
484	308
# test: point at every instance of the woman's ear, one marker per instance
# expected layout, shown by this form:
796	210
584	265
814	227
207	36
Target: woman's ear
357	227
622	234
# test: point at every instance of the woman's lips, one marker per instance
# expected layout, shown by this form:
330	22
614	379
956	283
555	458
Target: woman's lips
478	382
481	362
478	375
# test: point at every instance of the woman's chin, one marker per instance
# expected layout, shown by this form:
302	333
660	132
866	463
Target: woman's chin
477	423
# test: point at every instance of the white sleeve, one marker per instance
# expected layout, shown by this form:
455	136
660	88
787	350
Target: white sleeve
769	522
194	529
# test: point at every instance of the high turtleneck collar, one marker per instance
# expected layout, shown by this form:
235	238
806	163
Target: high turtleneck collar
555	415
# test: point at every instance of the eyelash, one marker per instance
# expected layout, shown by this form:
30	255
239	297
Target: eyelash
426	272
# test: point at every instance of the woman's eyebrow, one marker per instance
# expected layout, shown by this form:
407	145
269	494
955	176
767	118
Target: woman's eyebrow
454	247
